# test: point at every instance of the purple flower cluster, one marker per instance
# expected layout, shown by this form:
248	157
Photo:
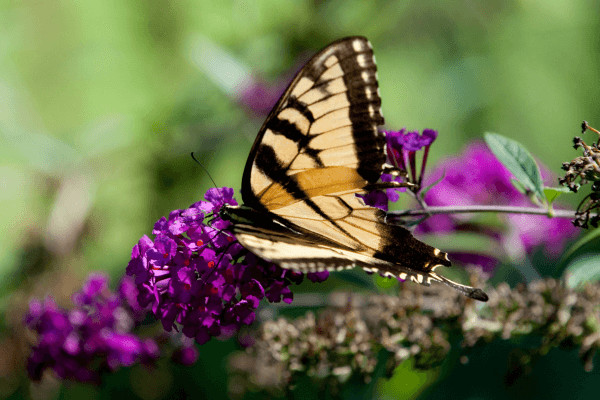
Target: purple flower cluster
477	178
402	150
93	337
474	178
196	277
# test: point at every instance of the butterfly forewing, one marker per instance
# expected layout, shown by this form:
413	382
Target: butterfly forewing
327	117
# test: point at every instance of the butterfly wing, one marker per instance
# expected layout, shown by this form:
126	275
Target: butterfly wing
327	118
311	243
318	148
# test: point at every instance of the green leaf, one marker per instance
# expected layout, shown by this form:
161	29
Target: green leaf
587	238
584	269
553	193
465	242
407	381
385	283
518	160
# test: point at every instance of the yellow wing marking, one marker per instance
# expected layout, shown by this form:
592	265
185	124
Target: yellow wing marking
330	121
328	105
314	182
302	86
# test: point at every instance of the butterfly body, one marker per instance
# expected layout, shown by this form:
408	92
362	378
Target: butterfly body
318	148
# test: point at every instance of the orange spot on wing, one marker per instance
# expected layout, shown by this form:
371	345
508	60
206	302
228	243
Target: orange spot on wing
315	182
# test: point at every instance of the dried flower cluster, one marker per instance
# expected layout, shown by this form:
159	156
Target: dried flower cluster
587	169
346	338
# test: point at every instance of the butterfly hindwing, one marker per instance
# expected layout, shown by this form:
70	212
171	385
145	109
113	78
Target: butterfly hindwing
318	148
360	238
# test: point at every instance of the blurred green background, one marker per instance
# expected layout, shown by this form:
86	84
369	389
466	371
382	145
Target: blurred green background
101	103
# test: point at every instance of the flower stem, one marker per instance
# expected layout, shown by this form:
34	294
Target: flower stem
480	209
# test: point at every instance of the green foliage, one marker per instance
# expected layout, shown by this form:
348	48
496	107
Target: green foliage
590	237
552	193
586	268
519	162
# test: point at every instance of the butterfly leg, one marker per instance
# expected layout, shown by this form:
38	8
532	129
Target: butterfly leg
394	171
389	185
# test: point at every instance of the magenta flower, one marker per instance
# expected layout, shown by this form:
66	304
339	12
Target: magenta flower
92	338
198	279
478	178
402	148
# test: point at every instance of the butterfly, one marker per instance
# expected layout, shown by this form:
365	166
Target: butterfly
318	148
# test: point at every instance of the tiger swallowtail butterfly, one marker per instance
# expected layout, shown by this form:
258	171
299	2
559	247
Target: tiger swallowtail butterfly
318	148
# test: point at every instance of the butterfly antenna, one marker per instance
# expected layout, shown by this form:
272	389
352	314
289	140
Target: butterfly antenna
207	173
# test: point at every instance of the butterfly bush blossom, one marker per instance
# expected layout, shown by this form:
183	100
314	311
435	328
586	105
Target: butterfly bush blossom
196	277
402	148
476	177
93	337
